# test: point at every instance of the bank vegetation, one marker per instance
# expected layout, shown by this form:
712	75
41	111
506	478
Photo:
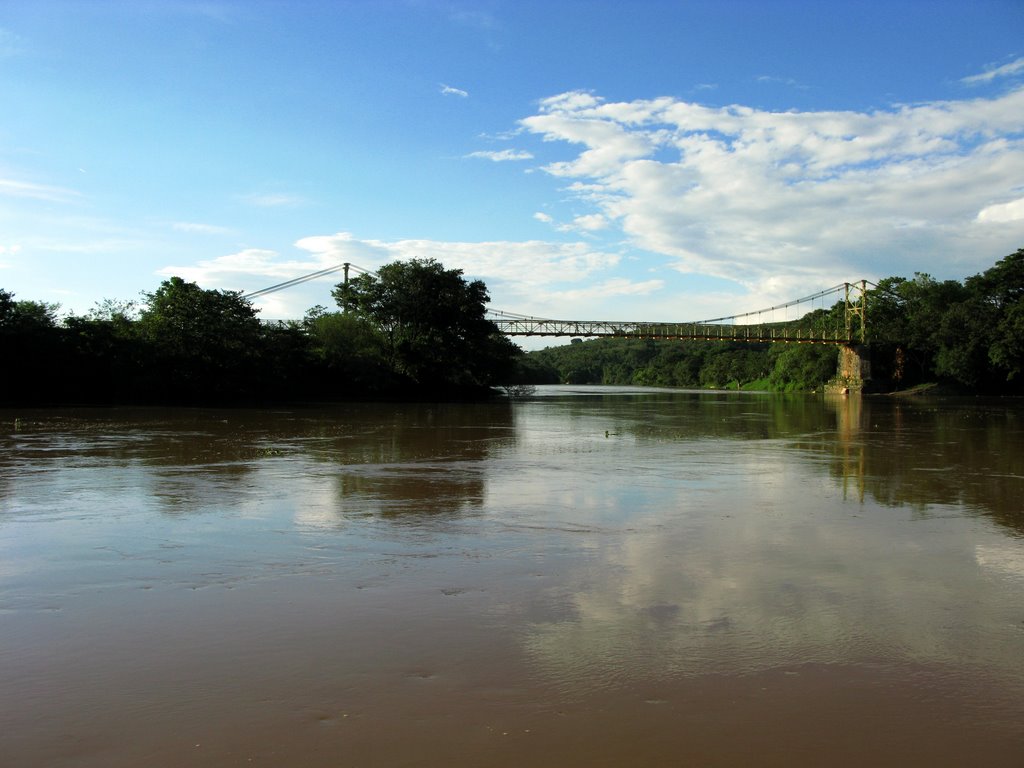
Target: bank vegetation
417	329
966	336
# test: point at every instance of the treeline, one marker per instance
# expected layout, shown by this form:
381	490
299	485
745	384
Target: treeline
966	335
412	330
416	329
699	364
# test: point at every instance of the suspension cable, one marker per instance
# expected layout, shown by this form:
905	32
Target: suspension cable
303	279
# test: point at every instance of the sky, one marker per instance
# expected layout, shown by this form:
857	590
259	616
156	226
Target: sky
645	160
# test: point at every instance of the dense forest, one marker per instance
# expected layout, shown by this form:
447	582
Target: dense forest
967	336
699	364
416	329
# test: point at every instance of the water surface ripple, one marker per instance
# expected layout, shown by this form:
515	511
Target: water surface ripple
589	576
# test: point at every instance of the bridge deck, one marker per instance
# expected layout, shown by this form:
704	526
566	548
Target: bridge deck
759	334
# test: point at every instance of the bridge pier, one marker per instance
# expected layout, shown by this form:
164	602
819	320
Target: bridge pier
854	369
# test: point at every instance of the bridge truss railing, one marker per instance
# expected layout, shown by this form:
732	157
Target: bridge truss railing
768	333
746	327
850	327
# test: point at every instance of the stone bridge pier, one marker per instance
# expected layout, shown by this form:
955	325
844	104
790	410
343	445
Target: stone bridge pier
854	368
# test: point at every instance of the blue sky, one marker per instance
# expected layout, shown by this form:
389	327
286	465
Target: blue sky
587	160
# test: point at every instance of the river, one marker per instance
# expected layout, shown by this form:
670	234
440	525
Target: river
583	577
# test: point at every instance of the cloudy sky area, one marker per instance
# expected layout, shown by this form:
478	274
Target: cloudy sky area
587	160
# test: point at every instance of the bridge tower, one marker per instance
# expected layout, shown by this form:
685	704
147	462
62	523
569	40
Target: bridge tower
855	356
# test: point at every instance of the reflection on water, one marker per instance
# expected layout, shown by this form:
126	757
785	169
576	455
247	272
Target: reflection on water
741	557
590	576
921	454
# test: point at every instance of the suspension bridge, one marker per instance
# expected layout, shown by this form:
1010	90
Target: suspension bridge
807	320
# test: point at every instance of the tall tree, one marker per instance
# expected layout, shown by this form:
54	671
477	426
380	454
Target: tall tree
206	342
906	320
1001	290
31	347
431	323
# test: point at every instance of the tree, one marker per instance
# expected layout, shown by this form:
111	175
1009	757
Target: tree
206	342
1007	350
115	310
26	316
430	323
105	353
1001	290
803	367
31	342
908	322
6	307
1002	284
347	349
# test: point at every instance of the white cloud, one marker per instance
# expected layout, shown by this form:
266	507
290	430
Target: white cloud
576	117
448	90
539	278
572	280
253	269
590	223
793	200
587	223
251	262
760	206
273	200
609	289
569	101
788	81
25	189
90	246
203	229
1007	70
1003	212
533	277
503	155
501	135
526	265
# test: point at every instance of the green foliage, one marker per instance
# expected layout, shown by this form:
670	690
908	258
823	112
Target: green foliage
31	345
25	317
114	310
1007	348
204	342
349	351
106	356
341	340
704	365
802	367
966	334
185	320
187	344
419	324
908	314
1001	290
429	323
531	370
1002	285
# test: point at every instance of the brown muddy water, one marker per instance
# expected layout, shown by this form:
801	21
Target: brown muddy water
586	577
